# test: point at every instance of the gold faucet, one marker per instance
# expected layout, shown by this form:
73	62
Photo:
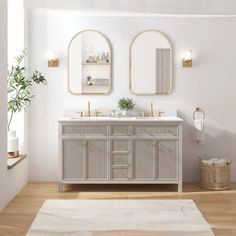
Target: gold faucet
89	112
151	110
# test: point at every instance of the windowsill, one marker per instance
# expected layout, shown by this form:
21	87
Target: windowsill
11	162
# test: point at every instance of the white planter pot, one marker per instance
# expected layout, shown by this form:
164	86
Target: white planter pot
13	144
124	113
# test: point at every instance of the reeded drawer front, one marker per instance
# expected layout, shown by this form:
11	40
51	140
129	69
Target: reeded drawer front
156	130
120	173
90	130
120	145
121	130
120	159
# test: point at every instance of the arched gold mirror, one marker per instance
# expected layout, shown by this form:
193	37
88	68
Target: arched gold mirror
89	63
150	64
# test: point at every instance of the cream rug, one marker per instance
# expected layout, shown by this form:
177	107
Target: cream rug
120	218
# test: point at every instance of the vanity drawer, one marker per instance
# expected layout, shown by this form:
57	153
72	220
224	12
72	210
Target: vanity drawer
121	130
120	173
120	159
90	130
161	130
120	145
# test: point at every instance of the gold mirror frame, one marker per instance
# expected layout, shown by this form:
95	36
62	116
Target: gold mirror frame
68	61
130	64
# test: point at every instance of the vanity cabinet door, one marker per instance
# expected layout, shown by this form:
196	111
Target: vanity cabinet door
96	160
144	159
167	167
73	160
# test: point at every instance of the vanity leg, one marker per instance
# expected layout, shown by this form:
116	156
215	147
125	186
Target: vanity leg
60	187
180	187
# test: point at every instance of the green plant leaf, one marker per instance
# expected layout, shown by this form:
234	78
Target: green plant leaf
19	87
126	104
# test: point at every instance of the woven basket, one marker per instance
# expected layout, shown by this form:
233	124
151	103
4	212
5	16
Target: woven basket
213	177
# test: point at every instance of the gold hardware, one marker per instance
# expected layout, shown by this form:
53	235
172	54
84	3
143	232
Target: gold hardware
53	63
187	63
199	110
89	112
151	110
160	113
187	59
98	113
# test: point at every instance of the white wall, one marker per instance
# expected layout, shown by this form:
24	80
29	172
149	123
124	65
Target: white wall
11	181
218	7
15	47
210	83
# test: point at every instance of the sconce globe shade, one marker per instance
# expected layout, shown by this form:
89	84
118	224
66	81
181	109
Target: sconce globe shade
52	55
188	55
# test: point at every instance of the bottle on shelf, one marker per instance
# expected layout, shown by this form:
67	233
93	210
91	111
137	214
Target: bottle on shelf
89	80
107	57
103	57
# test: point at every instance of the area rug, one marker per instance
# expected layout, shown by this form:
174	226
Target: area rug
120	218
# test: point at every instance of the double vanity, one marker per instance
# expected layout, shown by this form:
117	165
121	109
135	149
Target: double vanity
131	150
125	150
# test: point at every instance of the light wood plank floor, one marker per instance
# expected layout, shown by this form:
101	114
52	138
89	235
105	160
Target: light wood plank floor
219	208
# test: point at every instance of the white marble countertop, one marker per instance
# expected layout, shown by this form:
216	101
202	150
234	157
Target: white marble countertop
121	119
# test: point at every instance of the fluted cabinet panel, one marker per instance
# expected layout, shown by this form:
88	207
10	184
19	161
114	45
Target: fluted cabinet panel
156	130
120	130
144	160
167	160
93	130
97	160
73	159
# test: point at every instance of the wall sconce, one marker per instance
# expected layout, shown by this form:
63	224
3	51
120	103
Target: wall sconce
187	59
53	59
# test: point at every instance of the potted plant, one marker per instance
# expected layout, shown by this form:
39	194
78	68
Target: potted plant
19	96
125	104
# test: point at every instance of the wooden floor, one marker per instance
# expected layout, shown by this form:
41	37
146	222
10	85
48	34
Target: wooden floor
219	208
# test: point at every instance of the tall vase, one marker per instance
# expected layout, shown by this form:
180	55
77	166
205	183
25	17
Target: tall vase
13	144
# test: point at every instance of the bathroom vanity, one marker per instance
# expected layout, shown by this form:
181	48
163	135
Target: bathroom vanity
103	150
